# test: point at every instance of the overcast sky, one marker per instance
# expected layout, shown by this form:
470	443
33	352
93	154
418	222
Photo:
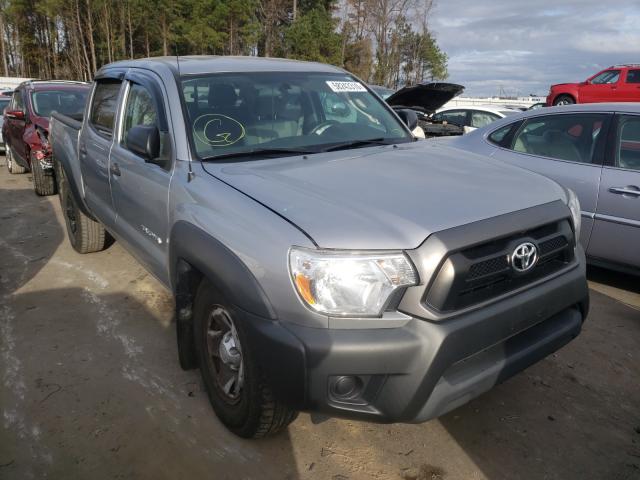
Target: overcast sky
525	46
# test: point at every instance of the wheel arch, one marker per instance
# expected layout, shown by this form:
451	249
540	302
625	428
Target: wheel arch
572	94
63	171
193	255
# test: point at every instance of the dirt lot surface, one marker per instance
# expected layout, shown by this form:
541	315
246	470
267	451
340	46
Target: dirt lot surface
91	386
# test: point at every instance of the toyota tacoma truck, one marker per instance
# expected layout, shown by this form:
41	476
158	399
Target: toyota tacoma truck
321	258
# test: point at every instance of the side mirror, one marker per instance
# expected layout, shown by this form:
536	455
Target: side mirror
144	140
409	117
15	114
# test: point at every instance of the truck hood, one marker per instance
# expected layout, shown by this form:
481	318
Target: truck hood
425	97
386	197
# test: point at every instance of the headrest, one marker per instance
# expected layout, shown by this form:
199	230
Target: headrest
222	95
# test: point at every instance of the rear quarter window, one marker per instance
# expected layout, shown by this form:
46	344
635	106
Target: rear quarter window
498	136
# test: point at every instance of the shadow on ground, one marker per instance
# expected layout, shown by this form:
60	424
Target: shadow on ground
91	382
574	415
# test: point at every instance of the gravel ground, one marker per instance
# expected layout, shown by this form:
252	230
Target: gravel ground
92	387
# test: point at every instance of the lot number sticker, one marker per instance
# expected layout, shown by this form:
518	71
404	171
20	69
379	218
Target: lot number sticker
342	87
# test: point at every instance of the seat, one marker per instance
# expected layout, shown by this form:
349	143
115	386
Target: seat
557	144
222	100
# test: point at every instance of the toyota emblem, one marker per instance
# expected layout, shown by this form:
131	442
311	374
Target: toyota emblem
524	257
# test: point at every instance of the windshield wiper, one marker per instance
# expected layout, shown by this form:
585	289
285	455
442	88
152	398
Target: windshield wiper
357	144
259	152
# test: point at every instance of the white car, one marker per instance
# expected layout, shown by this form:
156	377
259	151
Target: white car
472	116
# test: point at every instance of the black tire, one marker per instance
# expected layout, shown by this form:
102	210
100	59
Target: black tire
564	100
255	412
12	166
43	183
85	234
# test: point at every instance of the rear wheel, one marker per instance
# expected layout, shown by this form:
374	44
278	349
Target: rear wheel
564	100
12	166
85	234
237	390
43	182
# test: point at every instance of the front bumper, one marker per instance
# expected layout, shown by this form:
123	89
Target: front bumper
425	368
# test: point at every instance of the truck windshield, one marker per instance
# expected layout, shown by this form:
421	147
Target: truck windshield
232	113
69	102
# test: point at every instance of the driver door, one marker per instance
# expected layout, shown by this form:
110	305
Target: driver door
601	88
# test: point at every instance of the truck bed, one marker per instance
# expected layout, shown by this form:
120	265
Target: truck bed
63	137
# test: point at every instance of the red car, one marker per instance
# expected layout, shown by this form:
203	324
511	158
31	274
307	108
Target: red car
26	126
618	83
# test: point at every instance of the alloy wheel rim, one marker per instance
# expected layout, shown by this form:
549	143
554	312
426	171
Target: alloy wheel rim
224	354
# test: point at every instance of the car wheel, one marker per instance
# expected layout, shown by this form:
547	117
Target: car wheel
85	234
44	184
12	166
564	100
241	399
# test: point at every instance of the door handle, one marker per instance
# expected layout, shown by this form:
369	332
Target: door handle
625	191
115	170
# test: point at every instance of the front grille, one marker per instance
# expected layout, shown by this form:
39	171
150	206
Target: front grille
488	267
482	272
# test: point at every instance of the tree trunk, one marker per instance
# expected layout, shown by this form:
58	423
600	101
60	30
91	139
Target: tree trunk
5	68
91	42
107	28
81	40
165	51
123	37
130	30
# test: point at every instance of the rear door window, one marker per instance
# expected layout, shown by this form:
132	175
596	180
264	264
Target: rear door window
628	143
456	117
633	76
104	106
480	119
571	137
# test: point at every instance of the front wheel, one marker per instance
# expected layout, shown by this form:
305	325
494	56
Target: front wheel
564	100
44	183
241	399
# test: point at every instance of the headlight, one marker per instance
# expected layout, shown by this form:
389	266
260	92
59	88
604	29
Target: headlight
574	206
344	283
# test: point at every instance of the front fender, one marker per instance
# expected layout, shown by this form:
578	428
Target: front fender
220	265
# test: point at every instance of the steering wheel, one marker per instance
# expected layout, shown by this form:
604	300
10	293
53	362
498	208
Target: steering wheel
323	127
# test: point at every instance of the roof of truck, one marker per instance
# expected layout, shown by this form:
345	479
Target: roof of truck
201	64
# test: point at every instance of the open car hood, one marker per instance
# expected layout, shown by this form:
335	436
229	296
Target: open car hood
425	97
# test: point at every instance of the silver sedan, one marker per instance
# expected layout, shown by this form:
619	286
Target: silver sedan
593	149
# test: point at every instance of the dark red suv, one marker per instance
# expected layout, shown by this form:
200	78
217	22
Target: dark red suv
618	83
26	126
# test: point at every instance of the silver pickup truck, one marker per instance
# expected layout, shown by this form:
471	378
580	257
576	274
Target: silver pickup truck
321	259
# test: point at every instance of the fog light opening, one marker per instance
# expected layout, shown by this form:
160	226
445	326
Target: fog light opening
346	387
